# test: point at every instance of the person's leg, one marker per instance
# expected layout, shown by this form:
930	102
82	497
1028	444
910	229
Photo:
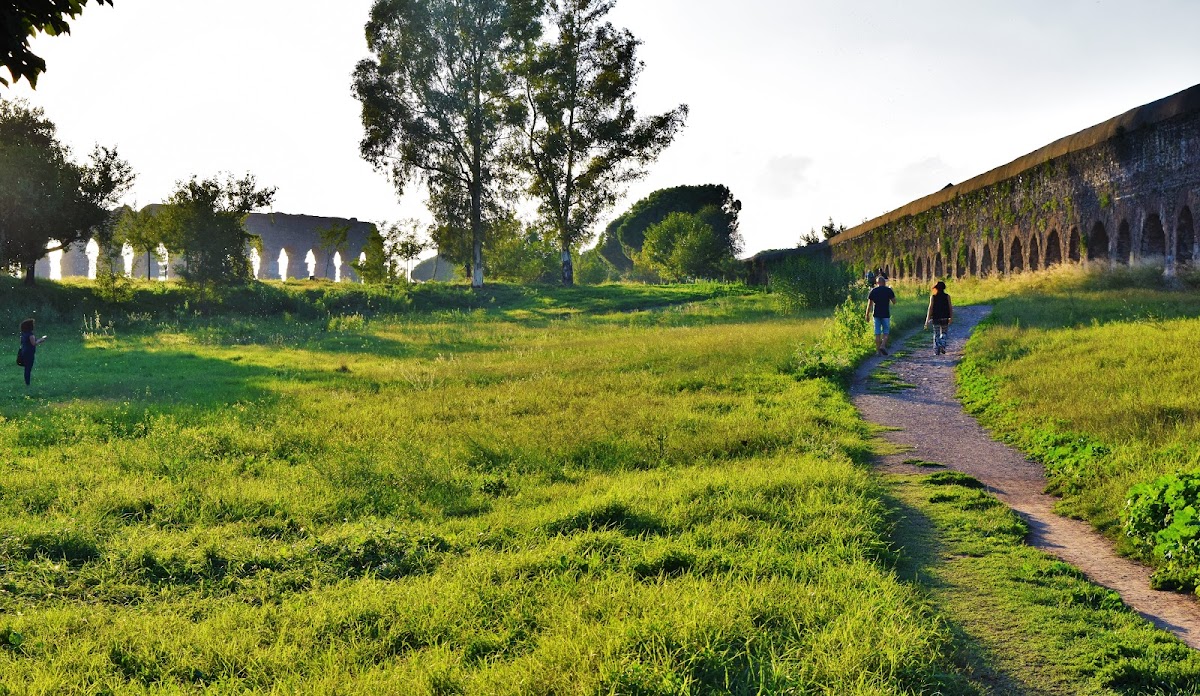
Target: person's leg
878	335
28	370
887	329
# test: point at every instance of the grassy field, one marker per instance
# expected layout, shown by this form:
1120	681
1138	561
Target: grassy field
1025	622
518	497
1095	376
615	490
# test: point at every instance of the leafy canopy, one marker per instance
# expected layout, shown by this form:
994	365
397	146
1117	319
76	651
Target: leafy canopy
436	101
48	201
204	223
623	238
583	140
20	21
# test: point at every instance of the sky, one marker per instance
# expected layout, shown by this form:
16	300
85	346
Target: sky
806	110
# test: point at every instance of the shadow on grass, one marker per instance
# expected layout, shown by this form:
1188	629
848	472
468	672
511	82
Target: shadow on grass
918	552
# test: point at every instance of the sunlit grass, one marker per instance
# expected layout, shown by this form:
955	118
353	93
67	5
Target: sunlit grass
510	498
1094	375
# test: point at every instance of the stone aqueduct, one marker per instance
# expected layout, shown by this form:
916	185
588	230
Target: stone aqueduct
290	238
1124	191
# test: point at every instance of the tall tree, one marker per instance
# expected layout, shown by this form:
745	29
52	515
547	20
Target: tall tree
47	201
21	20
204	223
437	94
583	139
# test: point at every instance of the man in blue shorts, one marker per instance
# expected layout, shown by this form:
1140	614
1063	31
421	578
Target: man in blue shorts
879	308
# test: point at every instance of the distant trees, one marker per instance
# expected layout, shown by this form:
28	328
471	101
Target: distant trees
715	204
583	140
390	252
47	201
20	21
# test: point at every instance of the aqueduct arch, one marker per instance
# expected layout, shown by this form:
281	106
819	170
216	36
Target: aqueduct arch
1185	237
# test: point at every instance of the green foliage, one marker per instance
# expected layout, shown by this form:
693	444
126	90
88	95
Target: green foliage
390	251
203	223
625	236
437	105
584	141
1161	518
684	246
593	269
23	21
47	201
800	282
520	254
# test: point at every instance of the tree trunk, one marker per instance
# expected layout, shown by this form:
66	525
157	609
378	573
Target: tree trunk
568	268
477	235
29	278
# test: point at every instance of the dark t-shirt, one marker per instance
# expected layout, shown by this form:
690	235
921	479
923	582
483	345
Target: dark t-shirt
27	345
940	311
882	296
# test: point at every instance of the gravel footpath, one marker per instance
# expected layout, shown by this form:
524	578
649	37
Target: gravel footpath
933	426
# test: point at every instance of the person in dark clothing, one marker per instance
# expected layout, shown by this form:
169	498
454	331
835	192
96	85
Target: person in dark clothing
879	308
940	314
29	344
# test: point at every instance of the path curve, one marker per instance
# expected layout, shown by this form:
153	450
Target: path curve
959	442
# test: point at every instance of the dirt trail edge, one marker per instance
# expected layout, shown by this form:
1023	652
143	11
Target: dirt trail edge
933	426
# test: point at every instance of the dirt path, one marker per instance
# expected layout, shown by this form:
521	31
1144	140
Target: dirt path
933	426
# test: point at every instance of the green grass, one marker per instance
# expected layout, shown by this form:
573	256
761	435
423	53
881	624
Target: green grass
1025	622
623	492
1096	378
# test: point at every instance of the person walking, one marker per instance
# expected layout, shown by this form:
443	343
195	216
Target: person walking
879	309
940	314
29	344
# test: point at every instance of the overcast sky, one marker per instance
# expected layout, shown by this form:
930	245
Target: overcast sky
804	109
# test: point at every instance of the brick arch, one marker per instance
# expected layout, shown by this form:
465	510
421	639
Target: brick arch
972	263
1185	237
939	270
1035	253
985	262
1016	258
1098	243
919	274
1154	238
1124	250
1053	255
1001	264
1073	246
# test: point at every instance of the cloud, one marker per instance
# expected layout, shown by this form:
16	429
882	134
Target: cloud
925	177
785	175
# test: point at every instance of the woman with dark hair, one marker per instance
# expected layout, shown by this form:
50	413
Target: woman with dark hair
941	312
29	344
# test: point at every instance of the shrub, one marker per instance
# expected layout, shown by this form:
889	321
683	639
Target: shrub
802	282
1161	518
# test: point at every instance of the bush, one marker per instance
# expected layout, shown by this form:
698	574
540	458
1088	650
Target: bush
1161	518
801	283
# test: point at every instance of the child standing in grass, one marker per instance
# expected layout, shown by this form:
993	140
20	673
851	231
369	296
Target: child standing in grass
29	344
941	311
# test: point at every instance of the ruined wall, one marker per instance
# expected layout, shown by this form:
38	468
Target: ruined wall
297	235
1120	192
